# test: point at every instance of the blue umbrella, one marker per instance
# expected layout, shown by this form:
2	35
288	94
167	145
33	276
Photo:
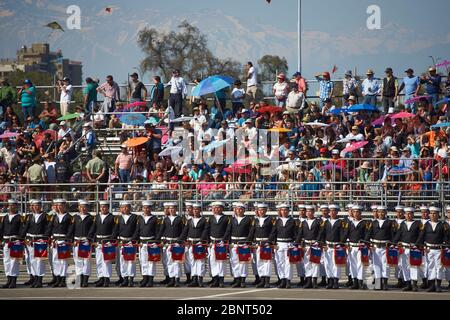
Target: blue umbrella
135	119
362	107
211	85
445	100
338	111
440	125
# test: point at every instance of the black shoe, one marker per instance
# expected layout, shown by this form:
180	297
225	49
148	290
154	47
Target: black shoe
171	283
165	281
243	285
100	282
362	286
38	283
31	281
221	282
424	284
13	283
144	282
408	286
150	282
215	282
106	282
385	284
414	286
267	283
86	281
124	282
323	283
119	282
288	284
349	283
399	284
282	284
355	285
8	282
335	283
330	283
188	279
314	283
57	282
194	282
432	287
54	280
177	282
200	282
235	280
237	284
301	283
257	280
438	286
262	283
131	282
308	284
63	284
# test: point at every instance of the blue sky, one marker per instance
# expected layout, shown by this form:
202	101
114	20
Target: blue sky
334	32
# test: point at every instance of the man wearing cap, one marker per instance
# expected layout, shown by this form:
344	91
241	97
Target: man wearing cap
354	135
88	139
355	234
280	90
433	85
27	96
300	82
411	84
102	231
371	87
60	229
447	275
374	209
381	233
66	90
310	233
434	235
259	234
178	92
284	233
194	233
389	90
399	218
83	222
146	232
170	232
324	211
137	91
301	266
333	233
10	227
349	86
237	233
407	237
189	213
34	230
124	232
326	87
252	82
423	271
216	231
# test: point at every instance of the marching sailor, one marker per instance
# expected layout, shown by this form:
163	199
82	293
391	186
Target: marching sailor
333	234
381	233
170	232
310	233
348	220
216	228
325	215
166	206
434	235
238	231
195	233
187	265
425	217
355	234
284	234
146	232
260	233
301	265
448	222
10	231
399	218
82	225
407	237
35	229
124	232
102	230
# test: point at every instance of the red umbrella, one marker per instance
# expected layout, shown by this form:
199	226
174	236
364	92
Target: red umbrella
270	109
402	115
9	135
354	146
414	99
38	138
380	120
237	170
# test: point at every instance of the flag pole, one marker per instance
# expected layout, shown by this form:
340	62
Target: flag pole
299	34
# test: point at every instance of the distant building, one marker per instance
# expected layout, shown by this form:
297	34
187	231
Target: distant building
39	58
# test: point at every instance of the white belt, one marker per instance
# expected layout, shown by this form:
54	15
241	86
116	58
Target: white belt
212	238
80	238
194	239
379	241
171	239
261	239
238	238
284	239
147	238
59	234
105	236
34	235
125	238
310	241
10	237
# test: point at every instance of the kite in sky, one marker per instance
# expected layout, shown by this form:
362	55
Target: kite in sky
55	26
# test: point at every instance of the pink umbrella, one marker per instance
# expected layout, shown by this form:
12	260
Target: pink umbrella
237	170
414	99
443	63
9	135
354	146
402	115
136	104
380	120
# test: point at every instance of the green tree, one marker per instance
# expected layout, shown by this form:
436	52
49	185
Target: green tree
269	66
186	50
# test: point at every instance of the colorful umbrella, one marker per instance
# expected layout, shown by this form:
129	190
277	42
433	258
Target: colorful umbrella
181	119
337	111
38	138
279	130
443	64
440	125
169	151
135	119
402	115
330	167
380	120
270	109
288	167
9	135
134	142
316	124
443	101
362	107
237	170
354	146
399	171
319	159
151	121
136	104
69	116
414	99
211	85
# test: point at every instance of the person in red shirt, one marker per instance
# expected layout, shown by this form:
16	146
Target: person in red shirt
301	83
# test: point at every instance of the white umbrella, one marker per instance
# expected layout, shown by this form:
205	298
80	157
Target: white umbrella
316	124
215	144
169	151
181	119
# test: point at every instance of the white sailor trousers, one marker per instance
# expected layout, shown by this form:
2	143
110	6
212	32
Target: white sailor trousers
333	270
311	269
284	267
148	268
355	265
104	268
217	267
409	272
82	265
239	269
380	266
435	269
11	264
196	267
264	267
35	266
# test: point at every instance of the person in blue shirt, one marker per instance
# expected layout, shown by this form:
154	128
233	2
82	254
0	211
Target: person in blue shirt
28	98
433	85
411	84
157	93
326	87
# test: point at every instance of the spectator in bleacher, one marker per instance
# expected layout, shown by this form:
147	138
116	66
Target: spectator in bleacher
137	92
123	165
88	139
237	96
433	85
295	101
300	83
96	172
8	96
178	92
280	90
389	90
66	90
90	95
349	85
411	84
27	95
157	93
111	92
371	88
48	115
326	87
